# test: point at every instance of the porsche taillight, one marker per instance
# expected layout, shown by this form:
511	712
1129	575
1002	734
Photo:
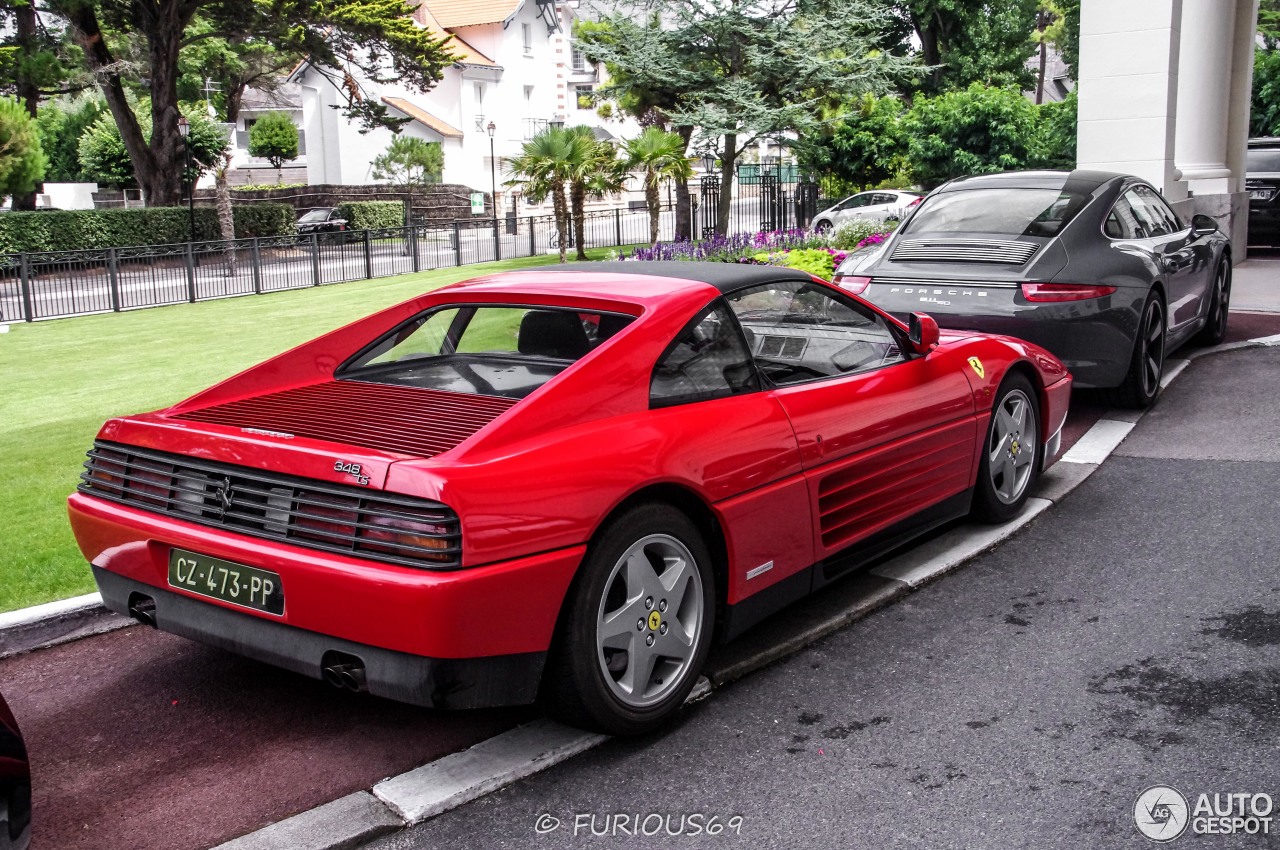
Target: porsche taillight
1041	293
854	283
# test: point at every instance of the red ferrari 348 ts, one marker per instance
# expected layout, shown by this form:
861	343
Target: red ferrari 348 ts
560	484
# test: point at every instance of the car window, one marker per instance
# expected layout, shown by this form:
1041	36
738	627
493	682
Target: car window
885	198
1014	212
1121	222
856	201
1159	208
1153	217
1262	160
708	360
800	331
315	215
504	350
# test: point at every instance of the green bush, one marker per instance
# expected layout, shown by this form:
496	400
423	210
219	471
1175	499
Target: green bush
71	230
368	215
978	130
815	261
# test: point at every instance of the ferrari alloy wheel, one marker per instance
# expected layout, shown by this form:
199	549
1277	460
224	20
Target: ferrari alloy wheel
638	627
650	615
1011	454
1215	328
1146	367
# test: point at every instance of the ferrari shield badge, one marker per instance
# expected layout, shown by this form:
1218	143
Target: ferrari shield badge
977	366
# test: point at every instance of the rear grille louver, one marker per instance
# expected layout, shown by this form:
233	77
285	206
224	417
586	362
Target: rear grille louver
304	512
409	420
1000	251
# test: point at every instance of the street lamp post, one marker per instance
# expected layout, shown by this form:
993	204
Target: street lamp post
493	171
184	130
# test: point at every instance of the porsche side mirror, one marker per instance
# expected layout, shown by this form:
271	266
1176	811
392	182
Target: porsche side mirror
922	330
1202	225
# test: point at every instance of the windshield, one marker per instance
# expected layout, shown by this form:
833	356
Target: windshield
1262	161
315	215
1010	212
502	350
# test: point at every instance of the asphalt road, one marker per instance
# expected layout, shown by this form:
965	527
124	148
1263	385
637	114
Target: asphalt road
144	740
1129	637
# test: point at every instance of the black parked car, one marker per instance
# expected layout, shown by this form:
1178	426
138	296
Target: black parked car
1262	179
15	785
1093	266
323	220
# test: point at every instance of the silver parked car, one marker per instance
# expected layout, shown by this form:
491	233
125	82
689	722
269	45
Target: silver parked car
1093	266
879	206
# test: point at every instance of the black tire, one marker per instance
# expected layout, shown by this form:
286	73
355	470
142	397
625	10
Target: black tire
1141	385
822	228
1000	493
585	681
1215	328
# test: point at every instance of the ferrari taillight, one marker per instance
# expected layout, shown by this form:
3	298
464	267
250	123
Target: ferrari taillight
395	535
852	283
1055	292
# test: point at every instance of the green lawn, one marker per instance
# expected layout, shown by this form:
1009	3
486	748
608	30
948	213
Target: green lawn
60	380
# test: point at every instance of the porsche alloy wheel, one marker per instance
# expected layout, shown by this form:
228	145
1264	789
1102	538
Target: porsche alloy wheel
649	620
1215	329
1011	454
1146	367
637	629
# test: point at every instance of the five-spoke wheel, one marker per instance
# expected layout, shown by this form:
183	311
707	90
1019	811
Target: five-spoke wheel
1011	455
638	624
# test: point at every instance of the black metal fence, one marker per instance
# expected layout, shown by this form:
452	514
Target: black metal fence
59	284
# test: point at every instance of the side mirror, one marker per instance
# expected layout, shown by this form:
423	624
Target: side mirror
1203	225
922	331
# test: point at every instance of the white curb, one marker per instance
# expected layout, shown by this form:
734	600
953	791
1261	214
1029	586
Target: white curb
453	780
1098	442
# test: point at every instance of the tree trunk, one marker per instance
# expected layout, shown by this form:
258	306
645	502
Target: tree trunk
163	184
26	33
654	201
226	218
88	34
684	209
578	199
562	224
930	49
728	161
1042	23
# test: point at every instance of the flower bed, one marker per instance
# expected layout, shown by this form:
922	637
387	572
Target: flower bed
798	249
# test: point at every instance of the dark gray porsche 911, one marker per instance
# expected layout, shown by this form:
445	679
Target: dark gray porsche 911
1095	267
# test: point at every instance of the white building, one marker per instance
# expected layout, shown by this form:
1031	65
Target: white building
1164	94
516	70
256	170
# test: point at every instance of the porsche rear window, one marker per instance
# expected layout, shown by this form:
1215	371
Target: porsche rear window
491	349
1009	212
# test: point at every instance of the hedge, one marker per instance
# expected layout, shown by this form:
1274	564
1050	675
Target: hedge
367	215
70	230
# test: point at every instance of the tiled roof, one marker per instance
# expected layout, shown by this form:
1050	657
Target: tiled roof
424	117
470	13
463	53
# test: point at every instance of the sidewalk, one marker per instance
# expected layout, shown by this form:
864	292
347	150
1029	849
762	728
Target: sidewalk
1256	282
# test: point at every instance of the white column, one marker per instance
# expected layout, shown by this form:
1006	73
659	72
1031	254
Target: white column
1204	93
1128	89
1245	37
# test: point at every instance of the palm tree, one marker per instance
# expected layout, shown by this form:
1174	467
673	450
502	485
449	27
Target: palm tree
661	156
596	172
544	167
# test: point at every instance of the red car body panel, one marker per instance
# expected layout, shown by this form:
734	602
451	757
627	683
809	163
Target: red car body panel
791	475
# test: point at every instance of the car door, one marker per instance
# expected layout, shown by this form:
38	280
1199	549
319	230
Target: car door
1183	257
882	436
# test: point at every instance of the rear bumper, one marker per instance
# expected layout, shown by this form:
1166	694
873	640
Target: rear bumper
448	683
1093	338
466	637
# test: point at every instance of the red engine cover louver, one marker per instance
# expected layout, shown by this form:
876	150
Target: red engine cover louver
410	420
